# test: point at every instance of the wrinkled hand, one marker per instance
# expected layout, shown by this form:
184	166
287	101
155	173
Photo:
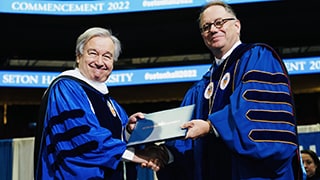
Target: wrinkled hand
156	155
145	163
133	121
196	128
152	164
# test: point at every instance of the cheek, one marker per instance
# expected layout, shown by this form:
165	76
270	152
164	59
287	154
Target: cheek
84	62
205	39
109	64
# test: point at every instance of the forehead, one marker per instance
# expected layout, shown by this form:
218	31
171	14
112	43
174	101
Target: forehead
100	43
214	12
305	156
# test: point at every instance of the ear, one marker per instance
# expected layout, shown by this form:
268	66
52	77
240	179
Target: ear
78	59
238	25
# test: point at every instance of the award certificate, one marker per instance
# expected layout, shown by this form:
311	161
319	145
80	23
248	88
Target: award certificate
161	125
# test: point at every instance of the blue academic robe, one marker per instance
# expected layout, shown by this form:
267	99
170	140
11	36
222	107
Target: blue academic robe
253	113
81	136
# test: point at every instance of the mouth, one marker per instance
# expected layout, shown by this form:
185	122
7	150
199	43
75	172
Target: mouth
216	37
99	67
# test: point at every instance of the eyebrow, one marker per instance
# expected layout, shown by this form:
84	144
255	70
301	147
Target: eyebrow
92	49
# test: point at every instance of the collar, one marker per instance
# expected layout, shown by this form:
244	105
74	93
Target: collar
225	56
99	86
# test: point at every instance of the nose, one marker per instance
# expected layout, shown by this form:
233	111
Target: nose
99	60
213	28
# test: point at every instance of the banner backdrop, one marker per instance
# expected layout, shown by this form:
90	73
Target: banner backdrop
143	76
309	137
89	7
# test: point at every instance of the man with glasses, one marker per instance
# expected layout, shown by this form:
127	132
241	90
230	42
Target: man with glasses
244	123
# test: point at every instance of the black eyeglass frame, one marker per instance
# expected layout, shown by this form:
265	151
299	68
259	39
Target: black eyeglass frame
218	23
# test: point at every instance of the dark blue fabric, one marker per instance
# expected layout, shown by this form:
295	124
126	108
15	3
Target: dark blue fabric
6	158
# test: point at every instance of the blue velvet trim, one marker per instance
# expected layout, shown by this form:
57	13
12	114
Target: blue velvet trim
72	114
271	116
268	97
273	136
67	136
264	77
78	151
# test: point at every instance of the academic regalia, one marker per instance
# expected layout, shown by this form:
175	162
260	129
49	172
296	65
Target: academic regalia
253	114
81	133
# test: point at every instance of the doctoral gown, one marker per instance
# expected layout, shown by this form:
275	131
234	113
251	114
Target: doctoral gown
80	133
253	115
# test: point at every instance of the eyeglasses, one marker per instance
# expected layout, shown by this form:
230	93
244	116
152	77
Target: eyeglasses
218	23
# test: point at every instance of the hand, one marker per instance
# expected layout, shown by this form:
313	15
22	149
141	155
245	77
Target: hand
196	128
133	120
156	155
152	164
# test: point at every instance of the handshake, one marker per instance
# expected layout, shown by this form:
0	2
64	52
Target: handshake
156	155
145	129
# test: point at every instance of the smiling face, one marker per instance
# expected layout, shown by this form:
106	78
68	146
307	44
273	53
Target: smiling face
96	62
219	39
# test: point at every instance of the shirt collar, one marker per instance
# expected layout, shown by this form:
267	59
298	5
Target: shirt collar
225	56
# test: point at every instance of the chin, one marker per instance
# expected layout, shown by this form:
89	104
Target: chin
99	79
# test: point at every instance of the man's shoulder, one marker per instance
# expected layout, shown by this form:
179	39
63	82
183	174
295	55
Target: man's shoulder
245	47
259	45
